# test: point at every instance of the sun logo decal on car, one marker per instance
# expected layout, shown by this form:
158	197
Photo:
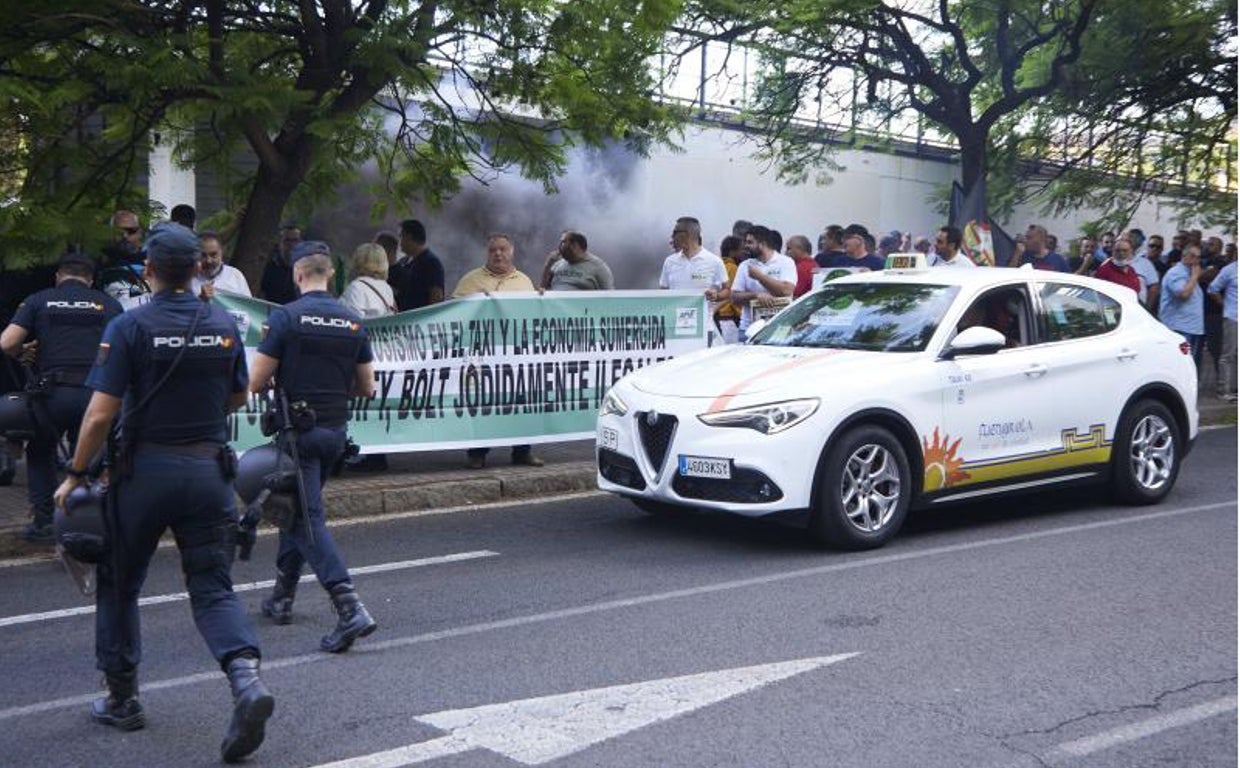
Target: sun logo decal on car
942	464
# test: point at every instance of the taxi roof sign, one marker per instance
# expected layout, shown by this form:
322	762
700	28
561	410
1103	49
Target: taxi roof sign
907	261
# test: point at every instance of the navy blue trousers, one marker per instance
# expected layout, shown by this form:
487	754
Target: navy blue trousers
189	495
65	405
318	450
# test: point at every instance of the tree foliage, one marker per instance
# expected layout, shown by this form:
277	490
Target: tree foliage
1080	85
428	91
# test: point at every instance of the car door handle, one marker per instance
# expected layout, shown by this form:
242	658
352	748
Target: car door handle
1036	370
1126	354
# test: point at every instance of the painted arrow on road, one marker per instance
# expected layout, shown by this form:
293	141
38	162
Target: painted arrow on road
537	731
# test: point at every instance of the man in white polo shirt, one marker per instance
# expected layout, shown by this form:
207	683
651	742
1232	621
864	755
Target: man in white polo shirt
768	279
947	249
213	273
691	267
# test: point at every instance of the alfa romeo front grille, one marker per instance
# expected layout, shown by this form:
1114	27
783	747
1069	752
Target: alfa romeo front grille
656	431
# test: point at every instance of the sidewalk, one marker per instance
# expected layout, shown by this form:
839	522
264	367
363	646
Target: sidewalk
438	479
413	481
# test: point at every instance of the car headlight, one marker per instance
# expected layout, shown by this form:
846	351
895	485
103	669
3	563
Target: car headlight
613	405
767	419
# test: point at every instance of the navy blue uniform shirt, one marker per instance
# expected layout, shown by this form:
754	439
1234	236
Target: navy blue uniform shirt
68	322
140	347
319	343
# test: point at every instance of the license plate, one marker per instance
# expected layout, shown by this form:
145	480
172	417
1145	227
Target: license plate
608	438
703	466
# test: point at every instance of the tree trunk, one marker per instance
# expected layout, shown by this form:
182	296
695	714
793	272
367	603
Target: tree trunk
972	158
274	184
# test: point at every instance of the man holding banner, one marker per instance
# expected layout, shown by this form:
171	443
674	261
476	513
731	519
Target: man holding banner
498	275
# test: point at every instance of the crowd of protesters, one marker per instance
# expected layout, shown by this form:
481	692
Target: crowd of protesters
1190	287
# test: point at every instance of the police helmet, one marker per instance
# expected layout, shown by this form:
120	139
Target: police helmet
16	416
265	467
79	527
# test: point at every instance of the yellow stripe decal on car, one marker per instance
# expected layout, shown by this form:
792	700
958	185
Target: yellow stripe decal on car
944	469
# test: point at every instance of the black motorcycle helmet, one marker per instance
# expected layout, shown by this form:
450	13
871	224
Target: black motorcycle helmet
79	527
17	416
265	466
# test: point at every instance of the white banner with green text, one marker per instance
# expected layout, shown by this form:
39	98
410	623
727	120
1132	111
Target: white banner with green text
496	370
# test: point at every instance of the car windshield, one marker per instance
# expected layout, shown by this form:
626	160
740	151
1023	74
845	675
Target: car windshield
877	317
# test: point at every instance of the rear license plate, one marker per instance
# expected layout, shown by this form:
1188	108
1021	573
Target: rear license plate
608	438
703	466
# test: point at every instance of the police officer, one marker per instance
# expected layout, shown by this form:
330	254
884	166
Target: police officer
318	353
64	324
171	370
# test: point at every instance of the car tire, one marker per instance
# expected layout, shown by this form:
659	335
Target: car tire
655	508
864	490
1145	458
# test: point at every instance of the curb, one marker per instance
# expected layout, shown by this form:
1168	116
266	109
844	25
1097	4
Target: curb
477	487
362	497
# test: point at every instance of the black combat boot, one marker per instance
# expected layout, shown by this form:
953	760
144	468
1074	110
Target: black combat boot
279	607
120	708
252	705
39	530
354	620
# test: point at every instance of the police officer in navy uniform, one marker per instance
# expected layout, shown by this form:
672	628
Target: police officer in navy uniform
171	370
62	326
318	352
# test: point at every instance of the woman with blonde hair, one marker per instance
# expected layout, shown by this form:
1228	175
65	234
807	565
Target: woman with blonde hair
368	292
369	295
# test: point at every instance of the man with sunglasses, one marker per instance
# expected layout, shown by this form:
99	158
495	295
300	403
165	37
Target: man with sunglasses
124	261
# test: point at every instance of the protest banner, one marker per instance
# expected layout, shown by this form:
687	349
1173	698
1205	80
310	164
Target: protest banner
496	370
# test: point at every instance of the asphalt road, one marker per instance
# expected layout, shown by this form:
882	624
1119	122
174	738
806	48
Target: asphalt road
1056	630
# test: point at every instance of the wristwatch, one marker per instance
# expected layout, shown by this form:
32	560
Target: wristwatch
71	472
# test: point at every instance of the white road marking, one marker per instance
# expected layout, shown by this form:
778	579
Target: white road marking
539	730
1143	728
86	610
32	560
650	599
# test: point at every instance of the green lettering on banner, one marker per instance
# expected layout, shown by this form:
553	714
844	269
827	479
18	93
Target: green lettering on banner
498	370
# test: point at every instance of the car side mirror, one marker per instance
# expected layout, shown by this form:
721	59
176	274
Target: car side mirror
754	327
978	340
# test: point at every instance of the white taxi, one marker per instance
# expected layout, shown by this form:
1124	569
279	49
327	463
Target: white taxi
905	388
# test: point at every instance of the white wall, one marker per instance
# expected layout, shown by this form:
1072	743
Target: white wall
626	205
170	183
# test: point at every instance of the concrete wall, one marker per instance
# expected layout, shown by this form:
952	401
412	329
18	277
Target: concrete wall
626	204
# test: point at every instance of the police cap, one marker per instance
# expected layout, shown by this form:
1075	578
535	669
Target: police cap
172	244
308	248
77	259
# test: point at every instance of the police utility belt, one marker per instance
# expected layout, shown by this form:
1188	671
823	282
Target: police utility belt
203	449
300	414
64	379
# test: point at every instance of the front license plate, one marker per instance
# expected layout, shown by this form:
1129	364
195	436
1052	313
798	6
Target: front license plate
608	438
702	466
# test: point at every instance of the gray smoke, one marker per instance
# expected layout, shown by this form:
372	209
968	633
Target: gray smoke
595	196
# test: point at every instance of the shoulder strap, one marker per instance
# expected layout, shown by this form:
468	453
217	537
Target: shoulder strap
375	291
